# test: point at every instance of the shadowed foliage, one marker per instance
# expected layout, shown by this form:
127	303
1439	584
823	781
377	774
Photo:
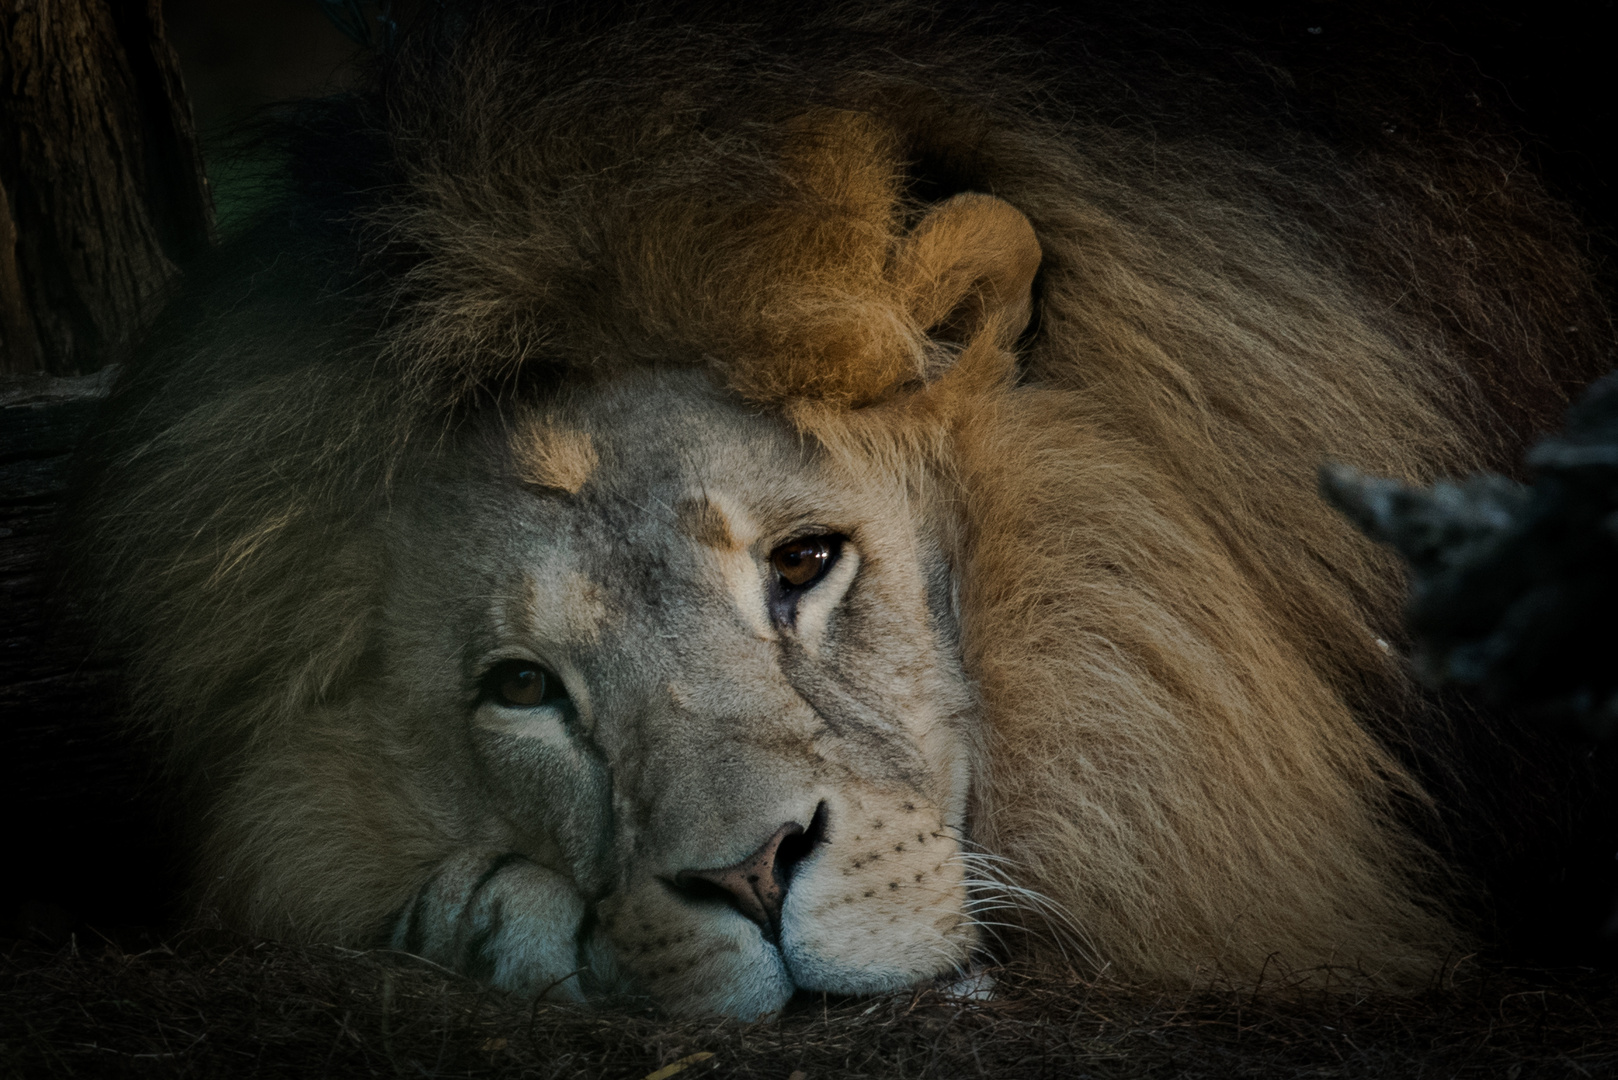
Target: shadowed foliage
1514	586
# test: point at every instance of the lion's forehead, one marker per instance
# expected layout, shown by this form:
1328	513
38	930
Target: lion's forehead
683	487
623	541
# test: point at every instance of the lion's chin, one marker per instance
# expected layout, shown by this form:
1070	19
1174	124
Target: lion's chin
741	979
757	984
752	983
730	969
819	960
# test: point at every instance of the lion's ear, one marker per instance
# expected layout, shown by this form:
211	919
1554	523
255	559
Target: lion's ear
968	268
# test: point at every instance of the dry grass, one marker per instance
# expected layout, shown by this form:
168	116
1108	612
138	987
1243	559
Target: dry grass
211	1004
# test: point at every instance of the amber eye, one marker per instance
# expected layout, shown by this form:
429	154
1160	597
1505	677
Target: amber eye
521	684
800	562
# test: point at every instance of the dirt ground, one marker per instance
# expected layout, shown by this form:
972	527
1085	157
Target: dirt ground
209	1004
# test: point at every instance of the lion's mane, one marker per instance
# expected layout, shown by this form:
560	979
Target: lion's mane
1181	650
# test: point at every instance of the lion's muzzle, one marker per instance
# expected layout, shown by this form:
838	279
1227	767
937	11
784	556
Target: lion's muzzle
757	885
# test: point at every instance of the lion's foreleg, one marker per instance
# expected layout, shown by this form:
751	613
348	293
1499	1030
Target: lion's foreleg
500	918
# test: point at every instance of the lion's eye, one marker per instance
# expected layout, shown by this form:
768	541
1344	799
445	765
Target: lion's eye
803	561
521	684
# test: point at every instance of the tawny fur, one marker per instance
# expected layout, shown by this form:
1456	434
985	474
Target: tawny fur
1174	637
554	457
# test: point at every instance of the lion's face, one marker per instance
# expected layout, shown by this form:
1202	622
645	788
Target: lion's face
705	678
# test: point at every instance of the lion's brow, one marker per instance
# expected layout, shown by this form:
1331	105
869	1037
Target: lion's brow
697	517
553	456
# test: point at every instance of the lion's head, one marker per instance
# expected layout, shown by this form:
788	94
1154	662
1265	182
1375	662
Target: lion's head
683	684
704	679
634	523
649	690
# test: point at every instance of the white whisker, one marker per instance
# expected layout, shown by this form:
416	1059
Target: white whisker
990	890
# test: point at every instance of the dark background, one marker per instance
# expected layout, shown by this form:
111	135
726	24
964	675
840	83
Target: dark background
1548	71
96	851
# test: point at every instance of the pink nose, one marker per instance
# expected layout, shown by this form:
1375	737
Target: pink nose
757	886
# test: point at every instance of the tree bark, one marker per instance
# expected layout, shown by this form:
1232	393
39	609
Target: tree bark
102	191
102	200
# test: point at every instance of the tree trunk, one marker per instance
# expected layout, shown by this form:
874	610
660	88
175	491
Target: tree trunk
102	192
102	199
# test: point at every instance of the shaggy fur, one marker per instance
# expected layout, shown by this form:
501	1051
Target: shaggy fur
1178	646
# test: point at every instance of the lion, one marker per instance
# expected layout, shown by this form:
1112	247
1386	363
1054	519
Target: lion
697	509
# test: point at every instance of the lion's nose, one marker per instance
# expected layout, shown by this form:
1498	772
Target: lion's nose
757	886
